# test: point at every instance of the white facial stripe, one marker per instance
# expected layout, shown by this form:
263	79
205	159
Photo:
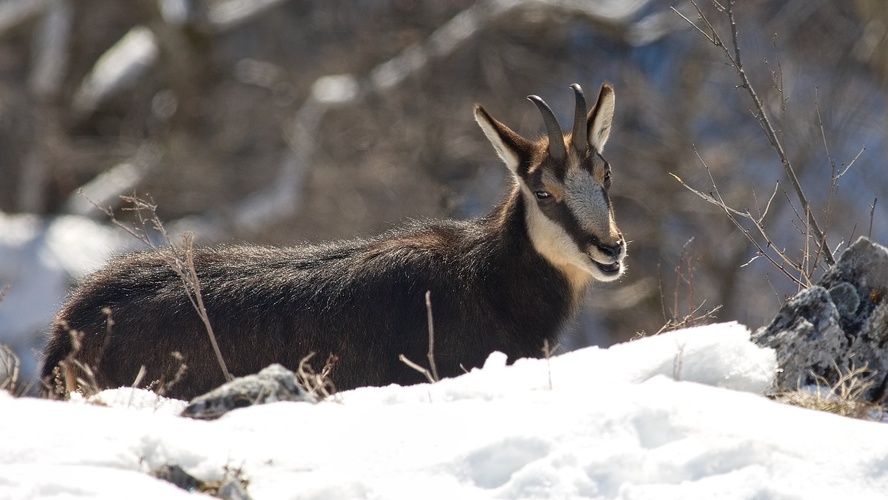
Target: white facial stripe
556	246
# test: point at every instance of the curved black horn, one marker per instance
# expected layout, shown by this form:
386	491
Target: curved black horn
556	137
578	137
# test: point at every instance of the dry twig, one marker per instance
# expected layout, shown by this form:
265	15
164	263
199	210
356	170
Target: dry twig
9	369
180	260
317	383
430	375
696	314
431	323
547	354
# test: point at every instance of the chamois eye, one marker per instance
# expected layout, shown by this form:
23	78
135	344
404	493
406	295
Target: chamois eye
542	195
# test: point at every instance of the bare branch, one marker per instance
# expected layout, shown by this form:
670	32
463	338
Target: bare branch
188	273
851	163
734	58
732	215
829	157
431	354
420	369
763	214
709	37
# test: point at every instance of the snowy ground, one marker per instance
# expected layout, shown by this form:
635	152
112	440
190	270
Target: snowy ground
675	416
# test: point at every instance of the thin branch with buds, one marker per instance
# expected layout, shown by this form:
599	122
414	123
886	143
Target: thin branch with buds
734	59
784	264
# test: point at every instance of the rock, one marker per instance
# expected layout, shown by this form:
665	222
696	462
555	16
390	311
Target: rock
836	326
231	487
178	476
274	383
845	297
864	266
807	338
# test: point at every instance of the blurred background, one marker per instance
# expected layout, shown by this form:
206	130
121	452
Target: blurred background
284	122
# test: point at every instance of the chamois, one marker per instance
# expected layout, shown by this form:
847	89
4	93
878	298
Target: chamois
505	282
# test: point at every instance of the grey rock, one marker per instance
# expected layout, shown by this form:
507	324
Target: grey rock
806	336
838	325
232	489
845	298
864	265
229	488
274	383
177	475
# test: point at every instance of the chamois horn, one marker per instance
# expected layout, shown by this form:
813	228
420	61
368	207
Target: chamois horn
556	137
578	137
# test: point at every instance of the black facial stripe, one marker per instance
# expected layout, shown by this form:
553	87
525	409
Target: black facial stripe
534	180
552	167
604	164
591	160
607	200
561	215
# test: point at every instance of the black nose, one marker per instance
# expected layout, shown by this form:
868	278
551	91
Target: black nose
612	251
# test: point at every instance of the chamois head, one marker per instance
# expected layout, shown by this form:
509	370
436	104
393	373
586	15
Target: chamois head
564	182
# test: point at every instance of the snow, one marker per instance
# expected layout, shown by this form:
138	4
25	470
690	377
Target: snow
39	258
679	415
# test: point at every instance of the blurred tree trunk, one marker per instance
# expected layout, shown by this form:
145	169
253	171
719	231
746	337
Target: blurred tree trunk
872	47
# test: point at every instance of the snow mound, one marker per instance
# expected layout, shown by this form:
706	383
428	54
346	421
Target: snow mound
678	415
718	355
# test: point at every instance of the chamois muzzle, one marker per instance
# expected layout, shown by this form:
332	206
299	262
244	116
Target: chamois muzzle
609	257
613	251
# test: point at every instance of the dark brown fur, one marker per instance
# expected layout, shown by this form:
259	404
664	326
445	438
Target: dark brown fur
363	301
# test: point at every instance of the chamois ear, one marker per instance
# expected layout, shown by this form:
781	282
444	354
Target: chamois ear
601	117
510	146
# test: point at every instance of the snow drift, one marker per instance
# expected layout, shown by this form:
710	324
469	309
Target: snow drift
679	415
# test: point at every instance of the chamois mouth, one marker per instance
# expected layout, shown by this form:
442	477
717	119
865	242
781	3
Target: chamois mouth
612	269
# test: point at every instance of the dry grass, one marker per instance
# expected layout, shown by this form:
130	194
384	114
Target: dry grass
72	375
845	397
9	369
683	299
163	386
317	383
